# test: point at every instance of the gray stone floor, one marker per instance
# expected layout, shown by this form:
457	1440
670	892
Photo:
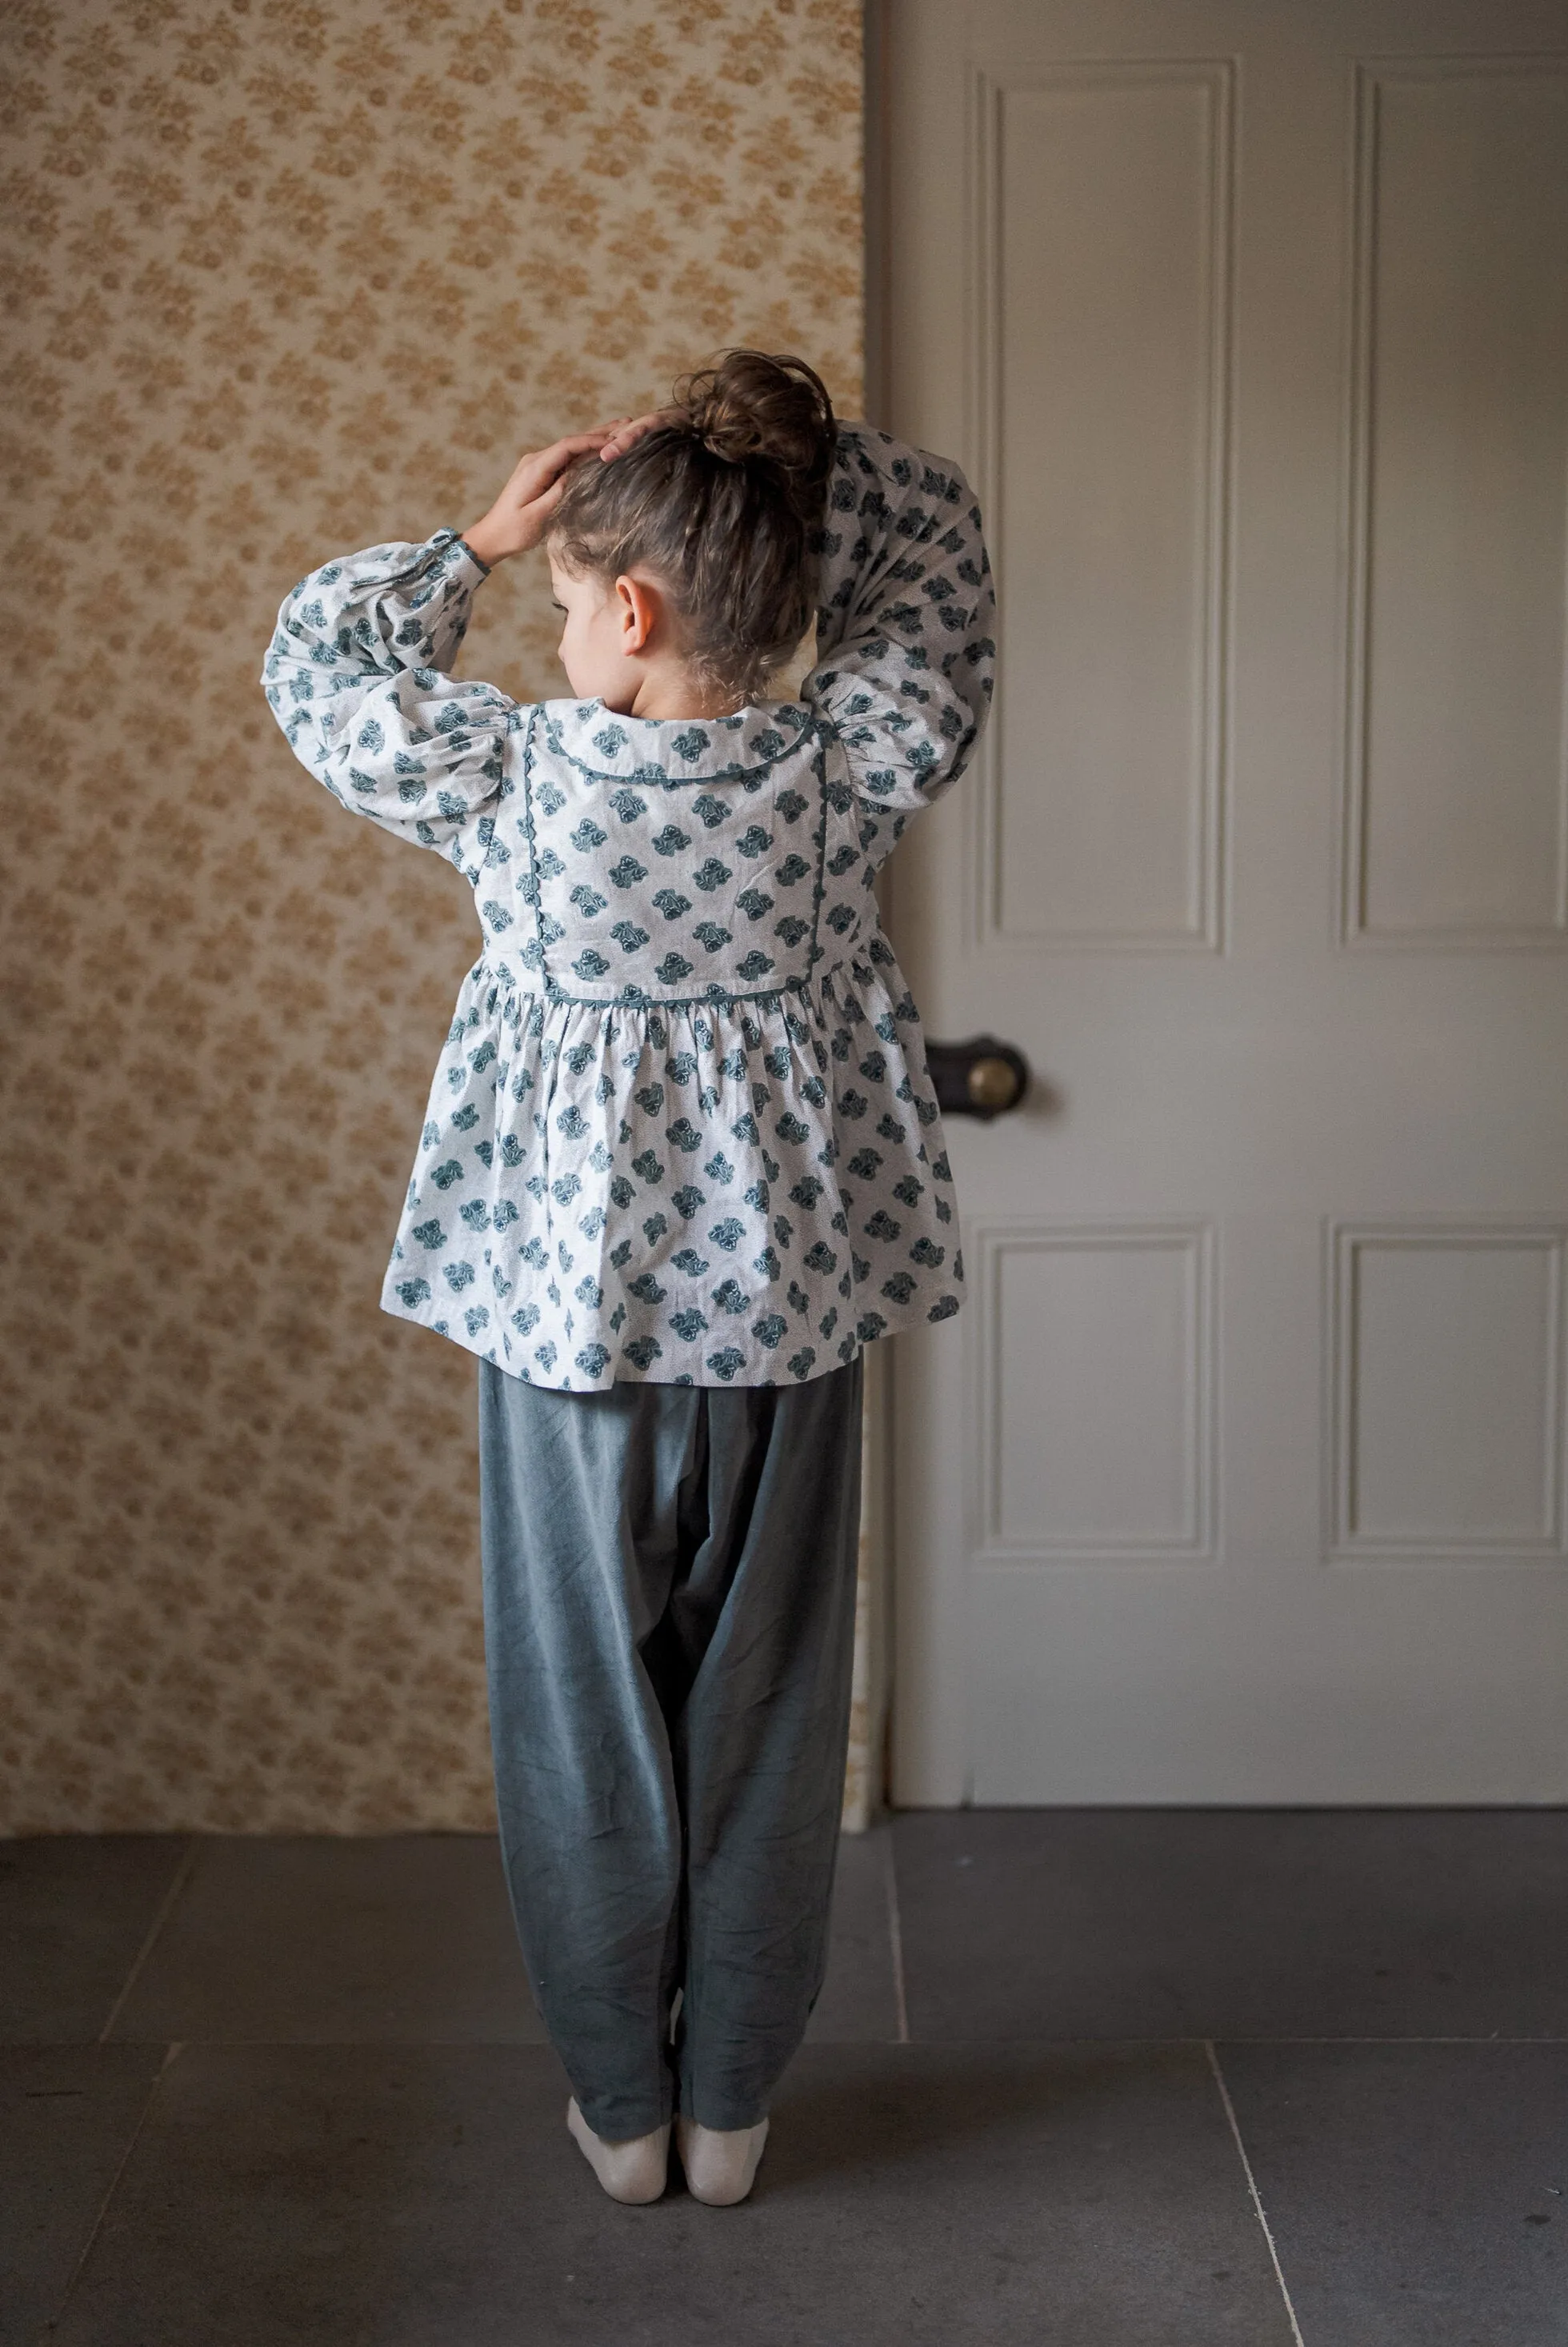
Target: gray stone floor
1086	2078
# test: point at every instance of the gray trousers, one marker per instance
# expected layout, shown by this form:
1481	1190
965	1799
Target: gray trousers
670	1632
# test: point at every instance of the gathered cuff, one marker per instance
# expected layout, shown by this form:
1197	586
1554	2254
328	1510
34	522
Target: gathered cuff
457	539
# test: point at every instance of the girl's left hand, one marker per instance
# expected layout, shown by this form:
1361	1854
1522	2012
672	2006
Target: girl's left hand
521	514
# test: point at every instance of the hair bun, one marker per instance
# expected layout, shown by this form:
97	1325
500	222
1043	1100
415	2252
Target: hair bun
752	406
725	504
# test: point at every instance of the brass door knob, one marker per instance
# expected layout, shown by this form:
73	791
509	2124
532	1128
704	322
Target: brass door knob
981	1077
993	1083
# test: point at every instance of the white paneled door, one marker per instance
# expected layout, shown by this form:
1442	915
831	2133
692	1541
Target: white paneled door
1241	1478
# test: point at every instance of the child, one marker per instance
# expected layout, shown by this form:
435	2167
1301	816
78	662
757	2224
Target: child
682	1162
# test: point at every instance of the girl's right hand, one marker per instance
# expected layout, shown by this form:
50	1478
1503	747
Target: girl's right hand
521	514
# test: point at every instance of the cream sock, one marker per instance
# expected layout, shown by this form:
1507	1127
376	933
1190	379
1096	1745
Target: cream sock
635	2170
721	2164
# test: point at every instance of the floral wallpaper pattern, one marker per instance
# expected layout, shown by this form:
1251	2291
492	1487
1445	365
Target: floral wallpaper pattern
283	278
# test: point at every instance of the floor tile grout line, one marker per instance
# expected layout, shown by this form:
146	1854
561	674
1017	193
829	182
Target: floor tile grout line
1208	2045
169	2053
895	1941
166	1908
1028	2038
1231	2037
1144	2037
1382	2037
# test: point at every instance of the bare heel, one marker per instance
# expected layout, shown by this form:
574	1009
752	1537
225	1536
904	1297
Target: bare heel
721	2164
635	2171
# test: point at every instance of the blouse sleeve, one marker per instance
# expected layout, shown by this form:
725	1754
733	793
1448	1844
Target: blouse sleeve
355	675
906	632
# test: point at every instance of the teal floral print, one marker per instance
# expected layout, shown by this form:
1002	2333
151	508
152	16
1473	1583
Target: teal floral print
681	1128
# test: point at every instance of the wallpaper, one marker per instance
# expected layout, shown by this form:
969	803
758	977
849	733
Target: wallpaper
281	279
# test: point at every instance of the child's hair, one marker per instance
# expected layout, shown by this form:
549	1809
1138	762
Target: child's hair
724	505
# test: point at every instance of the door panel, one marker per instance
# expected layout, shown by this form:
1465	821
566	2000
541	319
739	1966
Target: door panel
1104	330
1240	1478
1458	511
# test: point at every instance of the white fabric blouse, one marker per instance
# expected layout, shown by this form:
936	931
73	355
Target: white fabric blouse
681	1128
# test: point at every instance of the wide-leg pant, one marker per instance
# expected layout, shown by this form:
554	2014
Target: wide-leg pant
670	1626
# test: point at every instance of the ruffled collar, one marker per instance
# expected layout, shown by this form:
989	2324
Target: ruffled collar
670	750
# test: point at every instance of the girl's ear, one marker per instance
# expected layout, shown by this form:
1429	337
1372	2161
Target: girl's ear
637	610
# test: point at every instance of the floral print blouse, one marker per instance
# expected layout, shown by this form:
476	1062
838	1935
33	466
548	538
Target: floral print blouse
681	1128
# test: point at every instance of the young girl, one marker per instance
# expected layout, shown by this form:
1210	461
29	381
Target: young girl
682	1162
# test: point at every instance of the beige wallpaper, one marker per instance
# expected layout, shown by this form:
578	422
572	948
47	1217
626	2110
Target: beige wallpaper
283	278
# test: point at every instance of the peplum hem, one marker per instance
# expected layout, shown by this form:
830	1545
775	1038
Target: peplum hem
573	1219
